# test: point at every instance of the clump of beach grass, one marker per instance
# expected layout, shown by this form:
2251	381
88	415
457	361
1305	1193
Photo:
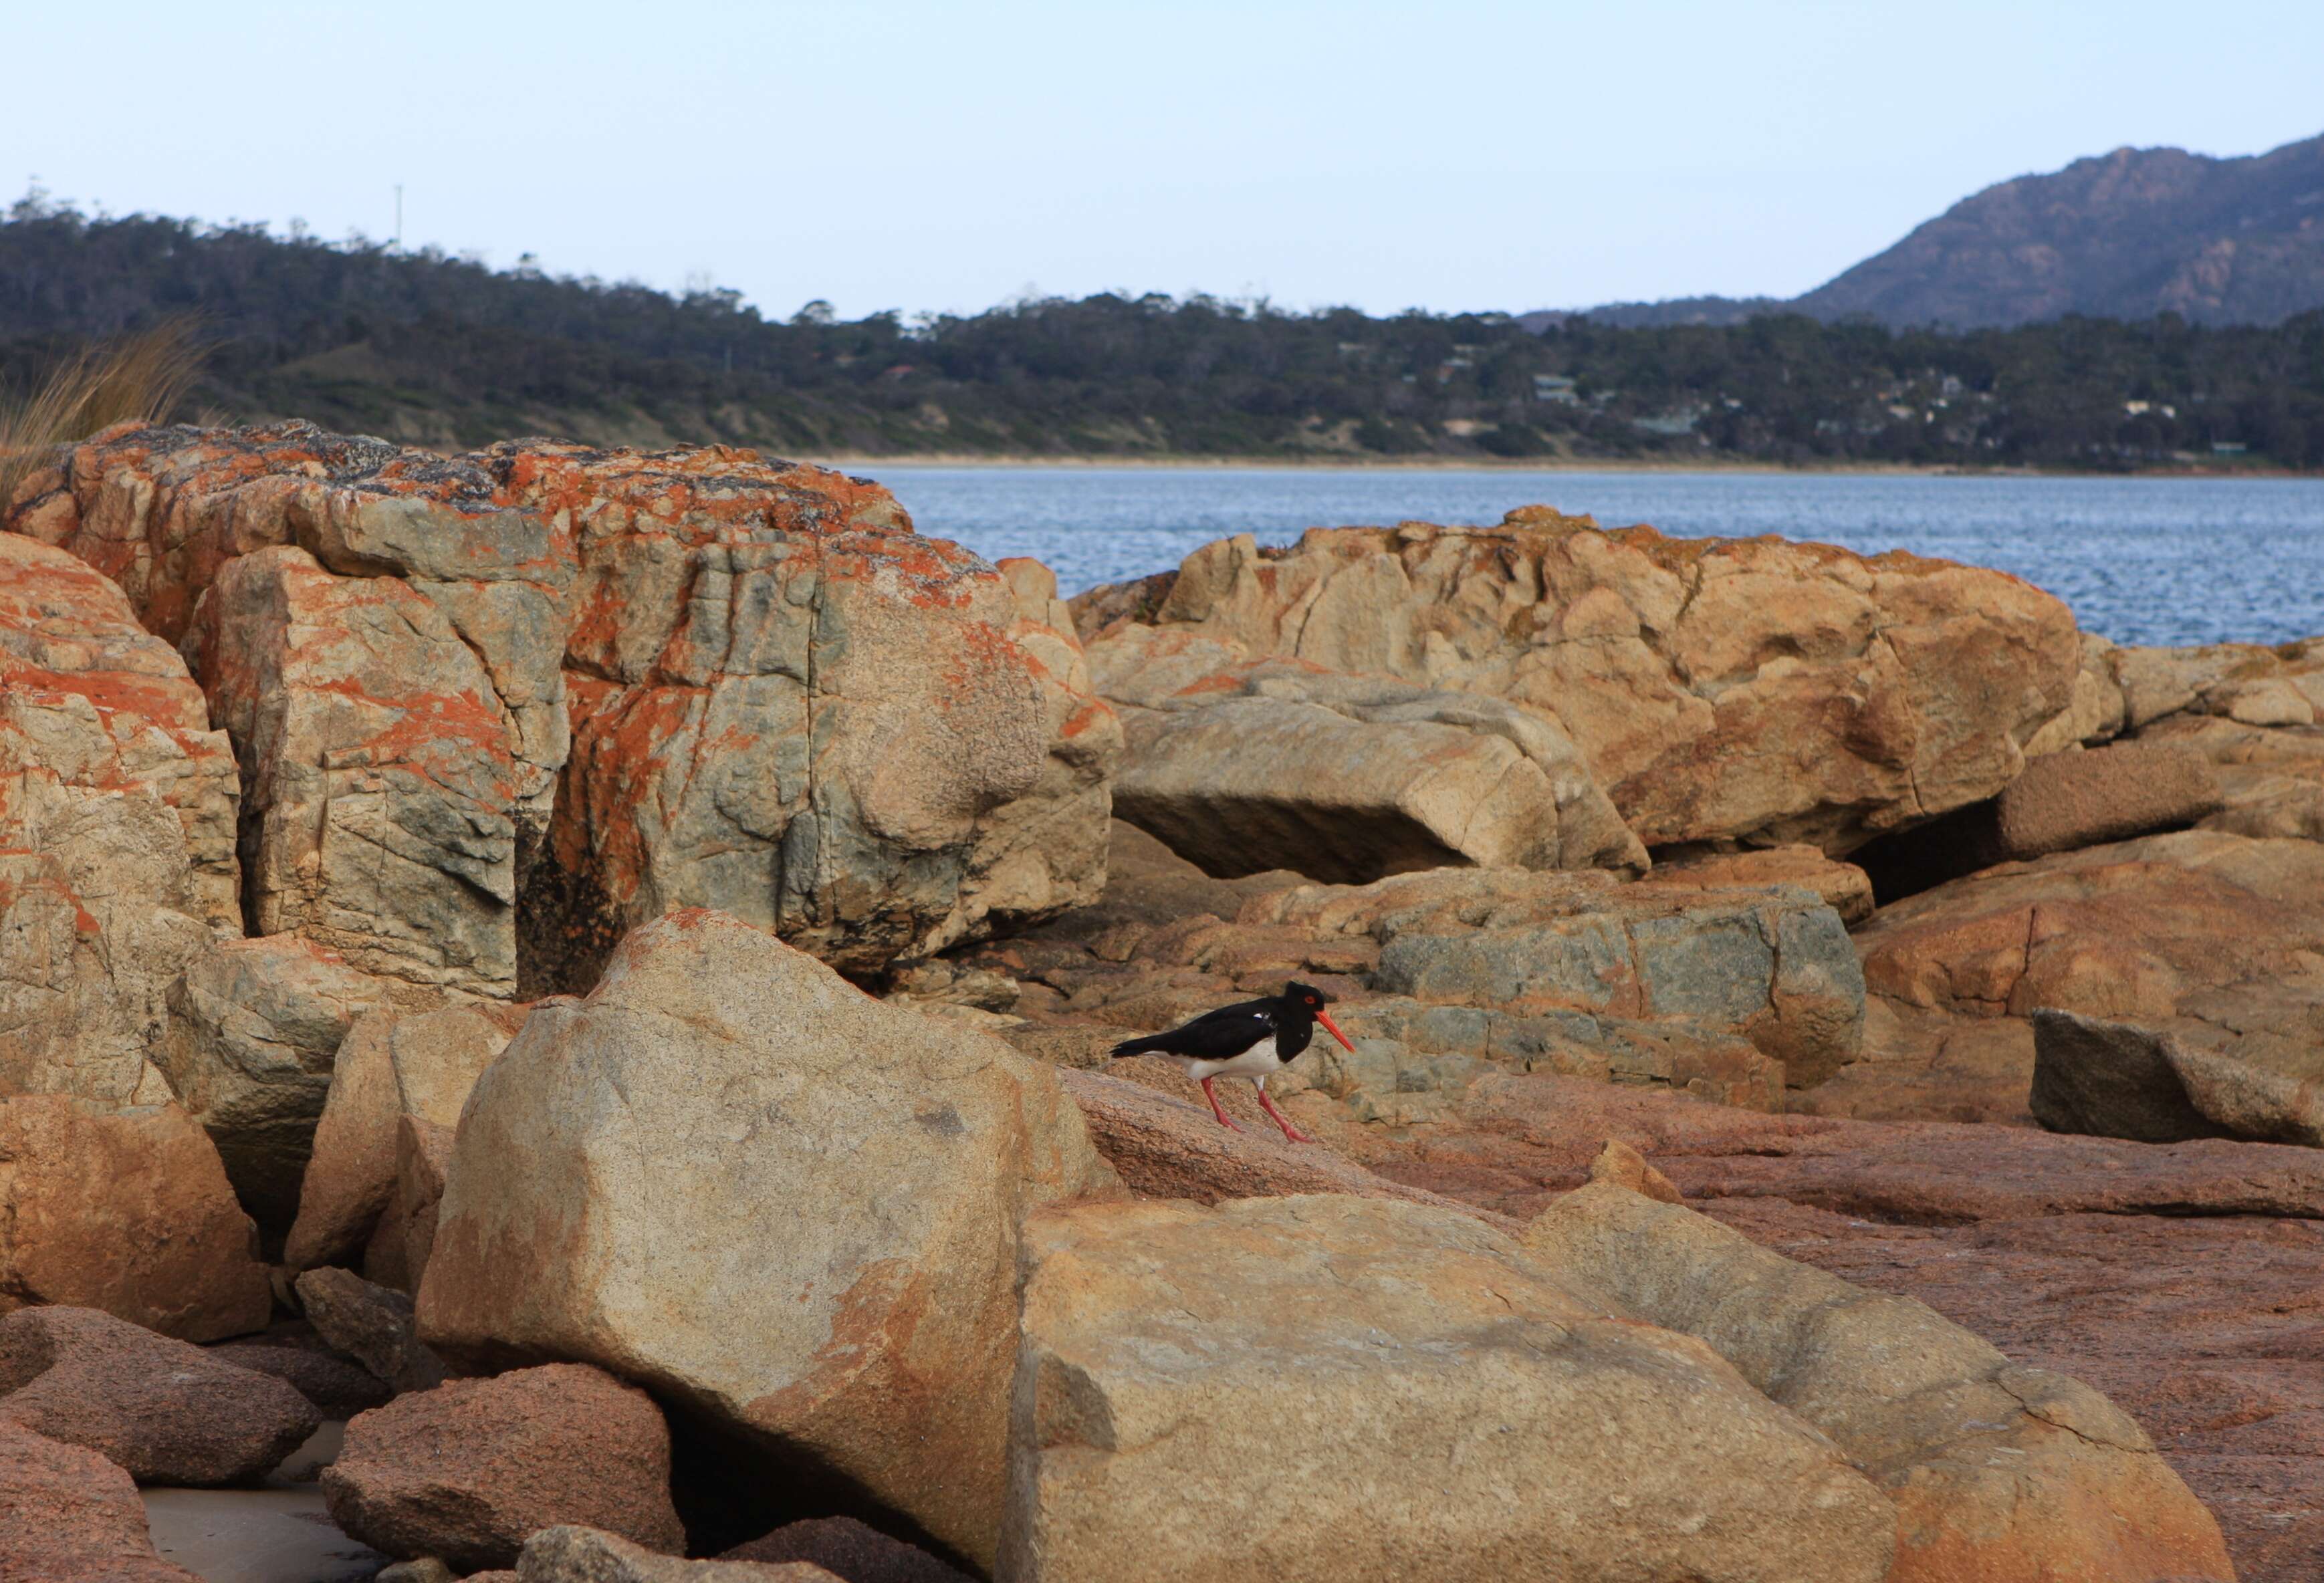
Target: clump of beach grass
145	375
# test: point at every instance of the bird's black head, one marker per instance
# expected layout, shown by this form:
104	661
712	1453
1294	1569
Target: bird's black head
1305	1000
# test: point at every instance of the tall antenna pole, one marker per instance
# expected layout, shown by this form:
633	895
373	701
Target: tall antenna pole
398	216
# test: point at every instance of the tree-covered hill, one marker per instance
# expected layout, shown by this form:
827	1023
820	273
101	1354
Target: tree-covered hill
431	349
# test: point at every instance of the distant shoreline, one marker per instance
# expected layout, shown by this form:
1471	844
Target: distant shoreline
1517	464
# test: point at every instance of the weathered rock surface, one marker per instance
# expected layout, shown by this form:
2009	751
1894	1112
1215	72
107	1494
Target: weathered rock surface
1341	1343
2120	1079
291	1352
691	1141
1844	888
1926	1409
1722	689
872	706
2247	682
397	1253
587	1555
253	1029
849	1550
371	1324
2215	939
1045	851
1774	965
786	705
1163	1147
165	1412
2271	778
65	633
468	1471
378	782
116	832
389	1066
127	1211
1620	1165
1244	766
68	1515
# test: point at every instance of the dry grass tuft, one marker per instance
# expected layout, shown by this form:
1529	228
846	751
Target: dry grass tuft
143	376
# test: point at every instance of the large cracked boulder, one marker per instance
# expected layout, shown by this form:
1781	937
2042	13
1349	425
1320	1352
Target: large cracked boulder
1753	690
724	680
379	787
1424	1399
1998	1470
692	1142
116	832
254	1027
166	1413
1245	765
470	1470
128	1212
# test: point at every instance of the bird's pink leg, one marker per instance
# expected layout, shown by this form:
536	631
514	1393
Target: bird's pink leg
1211	1094
1289	1131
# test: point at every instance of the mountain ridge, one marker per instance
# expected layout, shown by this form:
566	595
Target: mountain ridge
2126	234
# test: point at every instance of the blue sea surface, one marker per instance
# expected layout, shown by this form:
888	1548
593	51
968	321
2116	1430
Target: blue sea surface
2140	560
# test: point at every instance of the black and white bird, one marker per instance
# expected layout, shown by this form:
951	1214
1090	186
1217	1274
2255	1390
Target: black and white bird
1255	1040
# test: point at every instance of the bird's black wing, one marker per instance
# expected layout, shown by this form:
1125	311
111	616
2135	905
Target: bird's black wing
1214	1036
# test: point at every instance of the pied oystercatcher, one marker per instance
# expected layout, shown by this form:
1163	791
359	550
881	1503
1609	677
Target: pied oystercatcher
1250	1040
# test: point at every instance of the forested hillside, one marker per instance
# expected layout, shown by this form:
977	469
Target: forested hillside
437	350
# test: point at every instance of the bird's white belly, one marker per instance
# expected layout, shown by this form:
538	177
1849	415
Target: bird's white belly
1259	1061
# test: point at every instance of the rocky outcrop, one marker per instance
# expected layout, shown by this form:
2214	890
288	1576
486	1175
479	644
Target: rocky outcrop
291	1352
127	1211
786	705
1341	1343
116	832
1998	1470
721	1092
397	1253
164	1412
253	1026
2270	777
68	1515
389	1066
2208	937
468	1471
1843	886
724	680
1721	689
1245	765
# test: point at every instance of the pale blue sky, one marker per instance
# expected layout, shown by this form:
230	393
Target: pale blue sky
924	156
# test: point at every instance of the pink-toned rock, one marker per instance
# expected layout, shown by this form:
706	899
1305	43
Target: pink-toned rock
371	1323
848	1550
165	1412
470	1470
68	1515
1163	1147
2271	778
1622	1166
1998	1470
128	1212
1721	688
